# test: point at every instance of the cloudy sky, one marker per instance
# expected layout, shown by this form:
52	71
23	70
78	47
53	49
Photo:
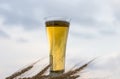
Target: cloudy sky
94	32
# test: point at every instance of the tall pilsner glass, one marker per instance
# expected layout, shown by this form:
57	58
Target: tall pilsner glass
57	31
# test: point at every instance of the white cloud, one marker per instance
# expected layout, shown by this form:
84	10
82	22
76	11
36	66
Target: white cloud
5	6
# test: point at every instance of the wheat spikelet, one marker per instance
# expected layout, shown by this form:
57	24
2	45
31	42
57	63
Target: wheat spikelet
41	72
71	74
18	73
81	67
73	77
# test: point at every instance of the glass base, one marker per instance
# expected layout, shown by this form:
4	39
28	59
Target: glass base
56	73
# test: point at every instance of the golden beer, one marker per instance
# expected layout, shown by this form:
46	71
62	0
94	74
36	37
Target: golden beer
57	32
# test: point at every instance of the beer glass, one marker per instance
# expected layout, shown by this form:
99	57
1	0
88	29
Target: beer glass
57	31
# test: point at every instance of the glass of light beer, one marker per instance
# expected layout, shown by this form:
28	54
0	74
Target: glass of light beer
57	32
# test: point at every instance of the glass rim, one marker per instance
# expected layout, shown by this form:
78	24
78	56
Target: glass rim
56	18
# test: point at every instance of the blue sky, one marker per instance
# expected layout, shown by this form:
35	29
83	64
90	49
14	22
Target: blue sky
94	32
